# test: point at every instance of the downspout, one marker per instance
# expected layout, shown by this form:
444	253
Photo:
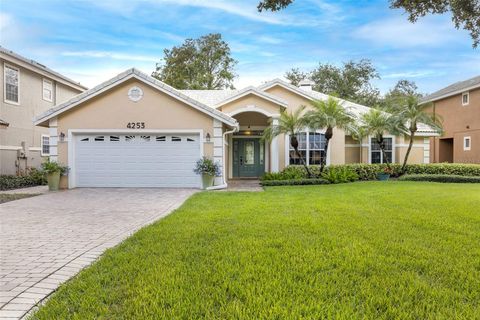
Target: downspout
224	179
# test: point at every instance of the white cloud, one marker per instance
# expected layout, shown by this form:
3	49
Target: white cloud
410	74
399	32
110	55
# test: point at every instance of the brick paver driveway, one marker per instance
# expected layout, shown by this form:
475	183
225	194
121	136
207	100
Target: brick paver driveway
47	239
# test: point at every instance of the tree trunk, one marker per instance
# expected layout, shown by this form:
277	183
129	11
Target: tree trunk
294	144
410	144
381	143
309	174
328	136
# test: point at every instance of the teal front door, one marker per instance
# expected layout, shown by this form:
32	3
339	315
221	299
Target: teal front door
248	158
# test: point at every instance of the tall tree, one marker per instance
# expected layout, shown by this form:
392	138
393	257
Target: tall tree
328	115
291	124
398	94
295	76
465	13
351	81
203	63
410	113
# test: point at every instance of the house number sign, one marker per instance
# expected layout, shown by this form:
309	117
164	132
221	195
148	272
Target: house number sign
136	125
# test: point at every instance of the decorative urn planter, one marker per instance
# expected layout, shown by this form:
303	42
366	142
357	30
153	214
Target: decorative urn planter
207	180
53	181
383	176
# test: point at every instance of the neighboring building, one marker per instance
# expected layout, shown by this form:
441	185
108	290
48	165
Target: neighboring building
28	89
136	131
459	107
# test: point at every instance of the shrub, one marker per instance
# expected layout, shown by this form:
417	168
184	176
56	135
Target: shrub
340	175
440	178
33	178
369	171
207	166
53	167
294	182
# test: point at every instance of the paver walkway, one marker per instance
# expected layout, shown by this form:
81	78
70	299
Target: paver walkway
47	239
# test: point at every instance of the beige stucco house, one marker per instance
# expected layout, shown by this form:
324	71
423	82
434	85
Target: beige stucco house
135	131
28	89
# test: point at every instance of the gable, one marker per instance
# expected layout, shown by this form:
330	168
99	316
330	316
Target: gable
114	109
141	78
250	101
295	100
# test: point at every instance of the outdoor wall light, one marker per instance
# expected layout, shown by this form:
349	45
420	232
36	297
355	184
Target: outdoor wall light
62	136
207	137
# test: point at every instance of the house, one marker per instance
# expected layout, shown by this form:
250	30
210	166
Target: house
135	131
28	89
459	107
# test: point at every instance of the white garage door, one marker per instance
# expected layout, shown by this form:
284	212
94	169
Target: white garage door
136	160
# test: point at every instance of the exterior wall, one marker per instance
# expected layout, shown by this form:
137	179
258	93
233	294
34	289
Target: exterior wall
458	122
113	110
295	101
251	100
20	117
352	150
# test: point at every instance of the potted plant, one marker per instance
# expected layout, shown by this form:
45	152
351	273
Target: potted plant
385	174
208	169
53	170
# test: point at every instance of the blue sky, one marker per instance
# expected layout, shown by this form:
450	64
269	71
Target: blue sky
93	40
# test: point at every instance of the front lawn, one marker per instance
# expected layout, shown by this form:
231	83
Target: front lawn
367	250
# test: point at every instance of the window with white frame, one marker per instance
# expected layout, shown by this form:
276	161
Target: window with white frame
465	98
311	146
11	83
376	155
45	145
467	143
47	90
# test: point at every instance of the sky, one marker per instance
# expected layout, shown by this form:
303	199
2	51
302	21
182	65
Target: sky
91	41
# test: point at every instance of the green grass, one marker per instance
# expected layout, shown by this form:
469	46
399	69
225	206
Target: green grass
369	250
14	196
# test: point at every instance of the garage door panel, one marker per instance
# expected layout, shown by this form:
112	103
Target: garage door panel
136	160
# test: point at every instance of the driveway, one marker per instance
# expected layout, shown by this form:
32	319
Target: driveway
47	239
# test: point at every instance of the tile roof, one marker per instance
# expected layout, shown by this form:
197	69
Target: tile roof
453	89
210	97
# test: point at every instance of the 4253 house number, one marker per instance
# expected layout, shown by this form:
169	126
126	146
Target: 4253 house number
136	125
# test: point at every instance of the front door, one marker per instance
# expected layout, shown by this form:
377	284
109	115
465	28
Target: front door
248	158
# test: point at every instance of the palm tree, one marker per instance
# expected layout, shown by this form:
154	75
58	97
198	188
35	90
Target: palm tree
376	123
291	124
328	115
411	113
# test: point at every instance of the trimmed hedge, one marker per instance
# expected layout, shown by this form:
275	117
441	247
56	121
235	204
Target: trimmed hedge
293	182
34	178
369	171
440	178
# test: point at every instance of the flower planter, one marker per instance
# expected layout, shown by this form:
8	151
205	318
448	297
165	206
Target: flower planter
383	176
53	181
207	180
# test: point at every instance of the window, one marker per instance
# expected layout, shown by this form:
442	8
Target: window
467	143
160	138
11	80
465	98
176	139
311	144
376	155
45	145
47	90
99	138
114	138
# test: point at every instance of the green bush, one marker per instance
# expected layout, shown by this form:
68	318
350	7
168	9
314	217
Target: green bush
440	178
33	178
340	175
293	182
369	171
